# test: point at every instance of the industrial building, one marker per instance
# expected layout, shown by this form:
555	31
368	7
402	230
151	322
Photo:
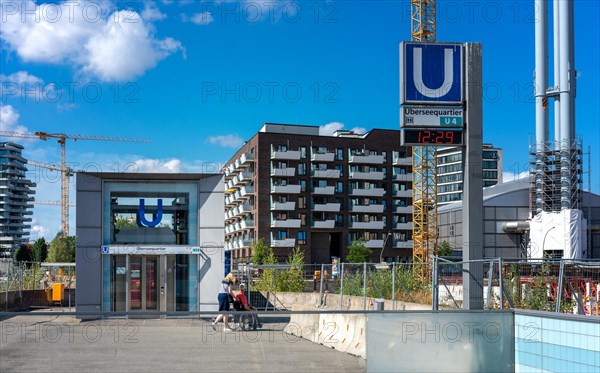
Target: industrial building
149	242
15	198
506	225
450	171
291	186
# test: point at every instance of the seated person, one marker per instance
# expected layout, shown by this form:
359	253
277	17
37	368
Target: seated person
240	303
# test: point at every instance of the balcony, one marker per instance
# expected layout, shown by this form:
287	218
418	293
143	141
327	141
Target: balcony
285	189
326	174
402	244
375	175
403	193
403	210
403	226
247	224
287	242
323	157
288	223
327	207
293	155
377	209
328	190
374	244
283	206
397	161
243	209
283	172
403	177
246	158
245	177
367	159
371	192
375	225
324	224
245	191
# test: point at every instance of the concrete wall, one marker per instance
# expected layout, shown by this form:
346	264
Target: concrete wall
211	238
346	333
88	259
15	300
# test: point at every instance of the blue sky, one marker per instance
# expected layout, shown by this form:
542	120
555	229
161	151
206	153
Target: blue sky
200	77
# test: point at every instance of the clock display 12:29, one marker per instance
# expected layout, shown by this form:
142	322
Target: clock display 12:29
432	137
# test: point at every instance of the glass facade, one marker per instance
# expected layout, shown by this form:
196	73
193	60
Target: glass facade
150	225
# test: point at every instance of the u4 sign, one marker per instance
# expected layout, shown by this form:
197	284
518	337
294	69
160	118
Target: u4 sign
431	73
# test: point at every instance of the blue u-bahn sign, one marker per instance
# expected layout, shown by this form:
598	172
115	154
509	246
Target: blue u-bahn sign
431	73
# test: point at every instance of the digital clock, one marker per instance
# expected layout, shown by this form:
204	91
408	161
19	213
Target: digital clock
431	137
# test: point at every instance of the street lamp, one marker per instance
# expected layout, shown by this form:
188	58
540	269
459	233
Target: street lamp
383	248
544	240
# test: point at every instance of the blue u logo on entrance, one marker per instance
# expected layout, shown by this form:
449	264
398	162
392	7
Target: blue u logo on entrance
141	219
432	73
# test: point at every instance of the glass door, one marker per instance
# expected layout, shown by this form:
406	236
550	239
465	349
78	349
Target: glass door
143	283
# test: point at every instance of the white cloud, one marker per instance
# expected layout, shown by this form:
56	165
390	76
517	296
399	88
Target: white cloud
227	141
329	128
38	231
158	166
510	176
129	47
9	119
203	18
359	130
113	46
21	84
152	13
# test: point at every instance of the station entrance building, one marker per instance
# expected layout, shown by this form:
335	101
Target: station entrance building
149	242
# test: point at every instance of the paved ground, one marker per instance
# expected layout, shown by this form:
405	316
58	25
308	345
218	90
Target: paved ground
36	343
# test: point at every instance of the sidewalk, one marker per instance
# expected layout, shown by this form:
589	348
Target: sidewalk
54	344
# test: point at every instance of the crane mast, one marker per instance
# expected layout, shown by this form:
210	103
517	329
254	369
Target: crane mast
425	231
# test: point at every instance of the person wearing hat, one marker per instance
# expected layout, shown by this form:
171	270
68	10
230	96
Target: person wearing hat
243	301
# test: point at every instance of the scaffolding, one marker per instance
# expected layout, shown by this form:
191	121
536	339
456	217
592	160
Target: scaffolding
556	176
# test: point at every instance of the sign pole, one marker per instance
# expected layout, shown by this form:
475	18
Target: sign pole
472	182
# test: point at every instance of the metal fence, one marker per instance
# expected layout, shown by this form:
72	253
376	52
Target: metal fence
37	277
502	284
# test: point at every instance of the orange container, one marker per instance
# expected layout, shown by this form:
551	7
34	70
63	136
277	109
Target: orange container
58	292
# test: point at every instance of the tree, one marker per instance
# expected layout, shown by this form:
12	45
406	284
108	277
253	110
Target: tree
24	253
444	249
358	252
40	250
62	250
259	252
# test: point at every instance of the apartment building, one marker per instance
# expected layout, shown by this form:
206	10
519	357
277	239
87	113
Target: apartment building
450	171
15	198
291	186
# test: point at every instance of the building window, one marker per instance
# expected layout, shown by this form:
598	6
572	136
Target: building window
339	154
339	187
451	230
301	202
281	235
302	219
340	168
303	185
339	220
303	152
302	169
302	237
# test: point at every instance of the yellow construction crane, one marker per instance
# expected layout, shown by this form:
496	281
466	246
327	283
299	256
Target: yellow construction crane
65	171
425	231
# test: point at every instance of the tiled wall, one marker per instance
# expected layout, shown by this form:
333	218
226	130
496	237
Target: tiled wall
548	344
